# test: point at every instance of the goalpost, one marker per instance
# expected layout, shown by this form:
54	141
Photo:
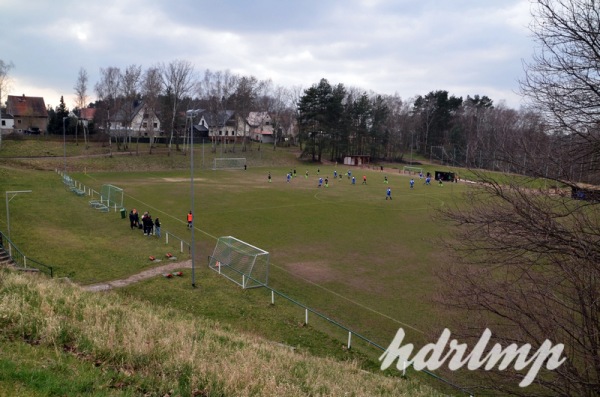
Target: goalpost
228	163
111	196
411	170
242	263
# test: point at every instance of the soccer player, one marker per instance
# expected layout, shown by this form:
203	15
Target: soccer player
349	174
269	177
364	180
334	174
306	175
428	180
353	180
385	180
388	193
326	182
412	183
289	176
320	181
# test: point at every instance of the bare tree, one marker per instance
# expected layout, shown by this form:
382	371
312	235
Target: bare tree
130	82
81	97
400	128
276	103
528	257
216	89
5	68
178	80
107	90
246	93
151	89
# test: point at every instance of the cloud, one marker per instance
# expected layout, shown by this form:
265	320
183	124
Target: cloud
387	46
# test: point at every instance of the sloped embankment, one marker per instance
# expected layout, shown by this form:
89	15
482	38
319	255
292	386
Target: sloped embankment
163	352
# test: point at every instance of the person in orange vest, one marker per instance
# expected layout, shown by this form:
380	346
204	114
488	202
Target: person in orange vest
190	217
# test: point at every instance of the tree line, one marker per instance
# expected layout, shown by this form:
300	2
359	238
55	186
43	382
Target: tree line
328	121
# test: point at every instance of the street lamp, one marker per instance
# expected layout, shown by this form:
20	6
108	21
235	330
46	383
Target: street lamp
65	144
14	193
190	114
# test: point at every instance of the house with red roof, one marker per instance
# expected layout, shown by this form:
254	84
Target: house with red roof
29	113
86	115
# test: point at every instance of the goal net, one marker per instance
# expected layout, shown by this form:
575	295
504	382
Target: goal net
226	163
111	196
242	263
412	170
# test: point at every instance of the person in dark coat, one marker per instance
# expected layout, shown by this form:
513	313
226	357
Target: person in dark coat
157	227
131	219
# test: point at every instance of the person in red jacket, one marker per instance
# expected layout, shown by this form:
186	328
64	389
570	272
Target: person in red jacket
190	218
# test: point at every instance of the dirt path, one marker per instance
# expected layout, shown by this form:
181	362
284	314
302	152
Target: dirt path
146	274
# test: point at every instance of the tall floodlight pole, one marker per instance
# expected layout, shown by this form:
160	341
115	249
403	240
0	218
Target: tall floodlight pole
411	146
13	193
65	144
191	114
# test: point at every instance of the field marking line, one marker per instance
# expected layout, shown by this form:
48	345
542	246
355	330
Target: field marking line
287	271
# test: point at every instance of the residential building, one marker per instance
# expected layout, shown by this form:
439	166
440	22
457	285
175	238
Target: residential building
86	116
224	126
141	121
6	122
29	113
260	127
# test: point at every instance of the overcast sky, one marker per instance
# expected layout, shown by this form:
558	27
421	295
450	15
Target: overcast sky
404	47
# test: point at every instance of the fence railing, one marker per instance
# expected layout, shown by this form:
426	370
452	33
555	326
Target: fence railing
96	200
21	261
351	334
182	243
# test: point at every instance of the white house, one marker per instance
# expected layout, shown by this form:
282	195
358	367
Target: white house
224	126
7	122
143	122
261	127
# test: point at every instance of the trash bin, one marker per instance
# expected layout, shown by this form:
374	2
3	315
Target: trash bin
123	213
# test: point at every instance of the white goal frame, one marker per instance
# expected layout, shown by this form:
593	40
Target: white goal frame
242	263
229	163
411	169
111	196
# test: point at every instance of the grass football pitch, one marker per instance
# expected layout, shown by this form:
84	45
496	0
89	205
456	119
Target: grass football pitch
343	250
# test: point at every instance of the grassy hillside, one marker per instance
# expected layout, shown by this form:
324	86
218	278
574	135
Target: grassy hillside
59	340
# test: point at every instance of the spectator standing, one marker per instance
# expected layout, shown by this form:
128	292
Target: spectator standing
157	227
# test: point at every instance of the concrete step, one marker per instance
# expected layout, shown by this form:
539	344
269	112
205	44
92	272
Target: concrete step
5	259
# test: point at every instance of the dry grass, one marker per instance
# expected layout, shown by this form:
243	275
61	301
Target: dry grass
172	352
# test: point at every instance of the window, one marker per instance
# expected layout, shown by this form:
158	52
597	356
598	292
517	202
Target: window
144	125
155	125
19	121
4	122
